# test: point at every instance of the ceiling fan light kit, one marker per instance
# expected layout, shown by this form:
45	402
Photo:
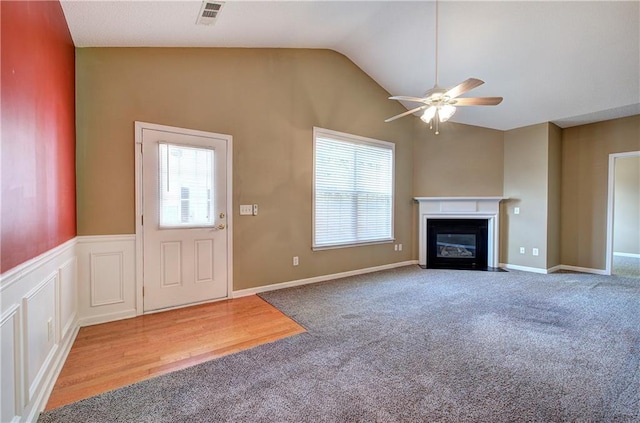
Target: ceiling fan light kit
439	105
437	114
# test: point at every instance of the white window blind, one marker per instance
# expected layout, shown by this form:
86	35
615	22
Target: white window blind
353	189
186	181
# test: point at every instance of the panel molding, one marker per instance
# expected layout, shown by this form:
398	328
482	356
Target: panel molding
31	386
114	275
69	269
12	317
106	278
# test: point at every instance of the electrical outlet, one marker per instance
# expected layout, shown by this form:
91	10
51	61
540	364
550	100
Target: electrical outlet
535	252
399	247
522	251
246	210
255	209
395	247
295	260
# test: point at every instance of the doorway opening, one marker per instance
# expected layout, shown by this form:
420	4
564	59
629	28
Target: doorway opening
623	215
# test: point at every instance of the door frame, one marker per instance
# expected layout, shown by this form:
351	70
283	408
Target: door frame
139	127
610	205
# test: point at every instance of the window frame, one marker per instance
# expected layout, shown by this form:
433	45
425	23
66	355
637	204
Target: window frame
352	139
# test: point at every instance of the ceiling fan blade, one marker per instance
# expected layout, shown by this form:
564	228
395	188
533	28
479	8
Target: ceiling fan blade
405	98
463	87
477	101
408	112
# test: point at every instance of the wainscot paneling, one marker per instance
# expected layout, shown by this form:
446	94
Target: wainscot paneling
68	288
38	326
106	271
39	310
10	406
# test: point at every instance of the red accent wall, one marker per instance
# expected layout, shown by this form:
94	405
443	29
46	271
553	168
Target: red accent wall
37	148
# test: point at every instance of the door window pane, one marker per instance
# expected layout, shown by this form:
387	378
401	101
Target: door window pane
186	184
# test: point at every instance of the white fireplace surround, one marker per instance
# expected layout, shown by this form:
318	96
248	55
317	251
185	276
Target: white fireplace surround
460	208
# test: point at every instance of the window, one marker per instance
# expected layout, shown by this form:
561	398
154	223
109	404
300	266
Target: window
186	180
353	189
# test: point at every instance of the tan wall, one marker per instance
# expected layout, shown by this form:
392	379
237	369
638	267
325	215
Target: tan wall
554	183
585	157
462	160
626	220
525	186
268	100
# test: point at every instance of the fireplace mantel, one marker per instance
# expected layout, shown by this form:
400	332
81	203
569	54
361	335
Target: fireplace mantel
460	208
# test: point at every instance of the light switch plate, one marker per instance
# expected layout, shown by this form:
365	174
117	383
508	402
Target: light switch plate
535	251
246	210
516	210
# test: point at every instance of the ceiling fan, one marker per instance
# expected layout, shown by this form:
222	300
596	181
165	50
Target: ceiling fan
440	104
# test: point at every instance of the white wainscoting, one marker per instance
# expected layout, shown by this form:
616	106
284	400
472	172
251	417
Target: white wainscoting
38	324
86	280
107	269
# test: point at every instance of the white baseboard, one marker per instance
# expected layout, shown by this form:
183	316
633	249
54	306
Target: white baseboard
108	317
632	255
524	268
316	279
583	269
554	269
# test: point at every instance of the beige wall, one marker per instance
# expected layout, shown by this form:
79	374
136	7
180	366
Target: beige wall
626	221
585	158
268	100
554	182
526	162
462	160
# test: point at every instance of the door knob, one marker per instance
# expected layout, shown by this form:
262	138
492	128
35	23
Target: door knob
221	226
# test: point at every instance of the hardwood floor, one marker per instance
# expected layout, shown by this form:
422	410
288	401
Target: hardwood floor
111	355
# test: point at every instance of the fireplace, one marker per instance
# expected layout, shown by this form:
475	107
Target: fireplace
460	209
457	244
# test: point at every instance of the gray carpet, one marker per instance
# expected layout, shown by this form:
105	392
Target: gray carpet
410	345
626	266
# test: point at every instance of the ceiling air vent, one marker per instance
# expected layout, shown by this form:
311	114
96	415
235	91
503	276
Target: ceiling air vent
209	12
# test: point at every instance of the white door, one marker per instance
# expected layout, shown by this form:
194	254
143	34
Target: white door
184	183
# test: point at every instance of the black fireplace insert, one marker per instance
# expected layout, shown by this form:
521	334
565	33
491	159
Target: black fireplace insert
457	244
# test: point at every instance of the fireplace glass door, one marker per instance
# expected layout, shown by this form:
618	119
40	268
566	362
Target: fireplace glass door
457	243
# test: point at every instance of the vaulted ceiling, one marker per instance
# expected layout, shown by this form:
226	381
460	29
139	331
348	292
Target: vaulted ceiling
564	62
